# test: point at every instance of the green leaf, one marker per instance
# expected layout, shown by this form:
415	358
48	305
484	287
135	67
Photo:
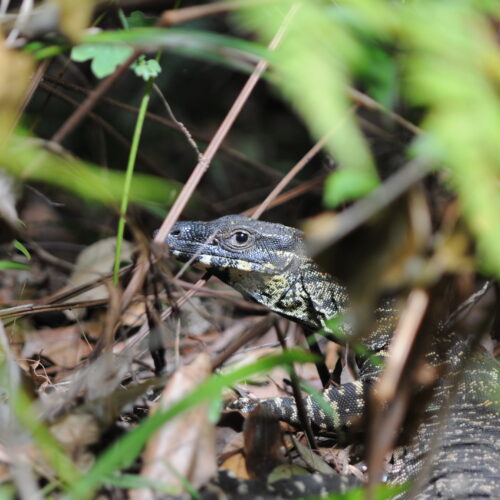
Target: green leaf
7	492
348	184
238	54
42	50
7	264
22	249
382	492
137	19
214	409
133	481
26	159
105	57
146	68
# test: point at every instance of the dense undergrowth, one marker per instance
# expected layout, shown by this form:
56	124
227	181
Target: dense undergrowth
117	118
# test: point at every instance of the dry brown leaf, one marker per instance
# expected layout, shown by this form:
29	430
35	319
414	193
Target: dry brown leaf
96	382
134	314
263	443
338	458
63	346
311	459
237	465
229	441
76	432
184	446
92	263
45	223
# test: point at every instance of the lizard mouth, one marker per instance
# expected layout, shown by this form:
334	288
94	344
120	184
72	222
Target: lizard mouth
201	259
184	250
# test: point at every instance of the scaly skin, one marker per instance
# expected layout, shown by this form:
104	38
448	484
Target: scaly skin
267	263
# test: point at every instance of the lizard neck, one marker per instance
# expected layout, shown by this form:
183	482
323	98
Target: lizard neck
303	293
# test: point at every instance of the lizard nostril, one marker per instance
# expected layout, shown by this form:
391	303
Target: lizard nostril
176	233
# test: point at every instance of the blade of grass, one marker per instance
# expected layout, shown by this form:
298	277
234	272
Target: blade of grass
22	249
382	492
124	452
129	175
19	405
7	264
48	445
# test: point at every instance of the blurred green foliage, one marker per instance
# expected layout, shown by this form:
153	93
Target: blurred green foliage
439	60
6	264
226	50
448	65
25	158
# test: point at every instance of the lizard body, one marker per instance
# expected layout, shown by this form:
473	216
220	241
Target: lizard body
267	263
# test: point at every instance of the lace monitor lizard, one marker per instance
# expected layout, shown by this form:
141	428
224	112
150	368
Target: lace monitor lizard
267	263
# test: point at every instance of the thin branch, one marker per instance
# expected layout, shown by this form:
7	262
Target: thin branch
204	162
181	125
290	194
399	349
369	103
227	150
144	330
31	309
466	306
104	124
80	113
297	168
339	226
48	257
221	134
297	395
24	14
177	16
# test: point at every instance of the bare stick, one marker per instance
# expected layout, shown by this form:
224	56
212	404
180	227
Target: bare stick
369	103
144	330
361	211
220	135
289	195
181	125
466	306
388	404
204	162
402	340
297	168
80	113
177	16
297	396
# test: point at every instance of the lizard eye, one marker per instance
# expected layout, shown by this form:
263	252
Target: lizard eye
240	239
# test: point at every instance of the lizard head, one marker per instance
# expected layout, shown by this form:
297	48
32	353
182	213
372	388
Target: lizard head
237	242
